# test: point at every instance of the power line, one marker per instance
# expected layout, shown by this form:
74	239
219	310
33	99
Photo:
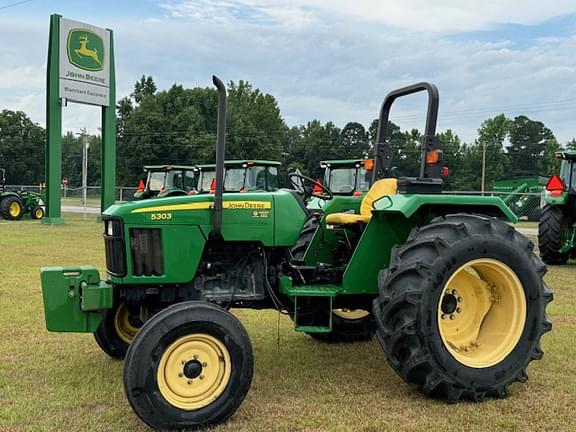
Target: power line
14	4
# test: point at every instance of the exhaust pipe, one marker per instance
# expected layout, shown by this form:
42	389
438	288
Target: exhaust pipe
216	233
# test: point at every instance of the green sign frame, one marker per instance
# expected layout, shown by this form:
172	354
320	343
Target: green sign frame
87	50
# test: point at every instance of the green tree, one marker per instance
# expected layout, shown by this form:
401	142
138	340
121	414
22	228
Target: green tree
145	86
22	148
528	149
491	137
354	141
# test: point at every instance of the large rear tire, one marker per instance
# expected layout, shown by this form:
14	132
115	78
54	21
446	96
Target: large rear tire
551	229
298	251
462	308
12	208
189	366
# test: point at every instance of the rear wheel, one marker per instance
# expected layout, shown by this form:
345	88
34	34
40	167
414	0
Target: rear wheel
462	308
298	251
116	331
189	366
349	325
12	208
552	230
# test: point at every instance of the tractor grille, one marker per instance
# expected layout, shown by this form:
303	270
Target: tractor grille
114	246
146	246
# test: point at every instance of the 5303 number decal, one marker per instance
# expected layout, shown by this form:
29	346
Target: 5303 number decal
160	216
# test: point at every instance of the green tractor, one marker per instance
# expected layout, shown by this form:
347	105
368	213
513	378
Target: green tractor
345	177
557	226
167	180
241	176
455	296
13	205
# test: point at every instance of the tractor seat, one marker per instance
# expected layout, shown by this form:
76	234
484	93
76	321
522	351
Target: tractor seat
381	188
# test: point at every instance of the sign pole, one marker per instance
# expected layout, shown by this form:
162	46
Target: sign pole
109	139
53	128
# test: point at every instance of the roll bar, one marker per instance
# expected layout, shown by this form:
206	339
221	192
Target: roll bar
383	149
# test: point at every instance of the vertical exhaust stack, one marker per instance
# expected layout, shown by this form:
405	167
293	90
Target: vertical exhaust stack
220	151
383	150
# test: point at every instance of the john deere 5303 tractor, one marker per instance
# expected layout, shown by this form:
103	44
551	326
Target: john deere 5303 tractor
454	294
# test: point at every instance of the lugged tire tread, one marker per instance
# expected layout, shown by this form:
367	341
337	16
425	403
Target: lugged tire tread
401	287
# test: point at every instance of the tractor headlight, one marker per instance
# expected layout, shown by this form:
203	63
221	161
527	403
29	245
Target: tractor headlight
109	228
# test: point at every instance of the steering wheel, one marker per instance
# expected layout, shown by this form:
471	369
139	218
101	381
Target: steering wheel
308	185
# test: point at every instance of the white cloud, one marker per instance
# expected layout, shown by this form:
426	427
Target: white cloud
319	65
413	15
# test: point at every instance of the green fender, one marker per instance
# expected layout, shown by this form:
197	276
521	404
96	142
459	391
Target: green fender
393	219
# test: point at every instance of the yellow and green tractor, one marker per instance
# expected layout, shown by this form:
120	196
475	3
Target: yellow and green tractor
15	205
167	180
453	294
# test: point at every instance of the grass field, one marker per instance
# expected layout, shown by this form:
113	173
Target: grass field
63	382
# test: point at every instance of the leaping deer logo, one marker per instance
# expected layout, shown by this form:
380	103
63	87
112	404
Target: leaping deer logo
84	51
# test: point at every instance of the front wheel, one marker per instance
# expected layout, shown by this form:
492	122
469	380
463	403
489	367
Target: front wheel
189	366
462	308
116	331
37	212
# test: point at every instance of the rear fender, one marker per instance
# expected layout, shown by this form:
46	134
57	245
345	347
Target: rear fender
392	220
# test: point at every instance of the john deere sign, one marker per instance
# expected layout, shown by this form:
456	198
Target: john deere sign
84	58
80	69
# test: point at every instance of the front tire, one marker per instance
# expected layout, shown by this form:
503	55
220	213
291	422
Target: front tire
37	212
462	308
551	229
189	366
116	331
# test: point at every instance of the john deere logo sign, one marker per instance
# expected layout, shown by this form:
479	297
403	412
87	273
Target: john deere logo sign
85	50
84	63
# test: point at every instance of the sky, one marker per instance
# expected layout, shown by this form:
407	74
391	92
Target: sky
332	60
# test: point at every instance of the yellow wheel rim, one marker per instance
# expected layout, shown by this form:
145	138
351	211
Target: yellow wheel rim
482	313
15	209
124	328
194	371
39	213
351	314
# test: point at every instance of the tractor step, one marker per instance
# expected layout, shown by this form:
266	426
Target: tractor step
312	305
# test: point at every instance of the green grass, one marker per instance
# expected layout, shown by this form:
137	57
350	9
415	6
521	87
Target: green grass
63	382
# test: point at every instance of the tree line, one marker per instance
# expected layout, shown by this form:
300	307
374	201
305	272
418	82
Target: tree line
178	126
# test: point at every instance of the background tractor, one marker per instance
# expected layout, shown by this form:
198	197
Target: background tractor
344	177
454	295
556	229
168	180
14	205
241	176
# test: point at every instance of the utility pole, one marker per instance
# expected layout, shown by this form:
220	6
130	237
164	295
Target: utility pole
483	166
85	146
